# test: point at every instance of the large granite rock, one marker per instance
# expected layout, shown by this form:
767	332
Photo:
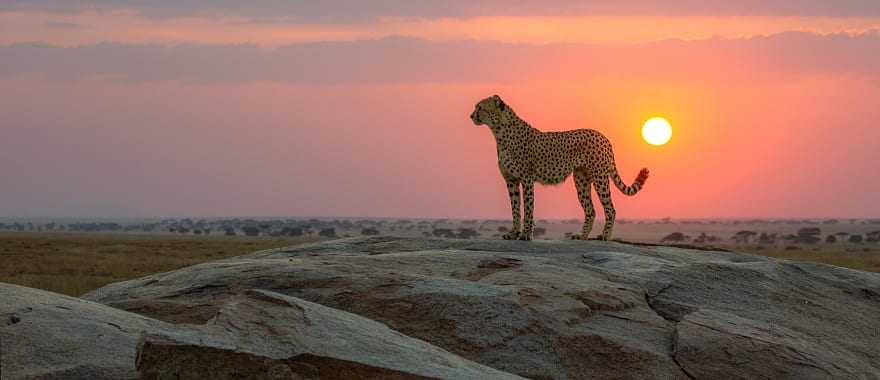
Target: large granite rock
256	334
557	309
265	335
46	335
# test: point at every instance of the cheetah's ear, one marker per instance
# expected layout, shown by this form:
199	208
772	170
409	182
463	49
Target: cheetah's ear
499	102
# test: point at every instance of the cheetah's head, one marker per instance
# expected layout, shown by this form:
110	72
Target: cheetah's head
489	111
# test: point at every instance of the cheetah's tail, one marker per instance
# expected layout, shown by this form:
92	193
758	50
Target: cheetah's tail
635	187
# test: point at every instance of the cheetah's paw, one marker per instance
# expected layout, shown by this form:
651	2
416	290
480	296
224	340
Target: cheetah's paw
511	235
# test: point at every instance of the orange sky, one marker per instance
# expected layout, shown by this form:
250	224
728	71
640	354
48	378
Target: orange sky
207	111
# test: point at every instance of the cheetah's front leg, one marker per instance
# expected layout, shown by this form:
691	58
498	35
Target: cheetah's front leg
529	206
513	191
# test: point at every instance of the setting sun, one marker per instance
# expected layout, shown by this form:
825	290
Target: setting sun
657	131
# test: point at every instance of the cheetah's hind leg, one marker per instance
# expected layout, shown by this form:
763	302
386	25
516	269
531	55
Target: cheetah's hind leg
583	183
604	193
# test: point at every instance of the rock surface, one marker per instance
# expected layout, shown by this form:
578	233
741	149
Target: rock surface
262	335
256	334
51	336
557	309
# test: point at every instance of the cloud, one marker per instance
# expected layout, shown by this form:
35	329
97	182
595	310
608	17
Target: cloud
407	60
62	25
343	11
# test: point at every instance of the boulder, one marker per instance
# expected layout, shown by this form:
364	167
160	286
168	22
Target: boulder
557	309
256	334
265	335
46	335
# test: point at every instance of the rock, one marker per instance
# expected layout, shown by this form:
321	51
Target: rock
265	335
253	335
51	336
560	309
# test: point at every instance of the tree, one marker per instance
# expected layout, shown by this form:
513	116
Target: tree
809	235
369	231
767	238
291	231
467	233
327	232
857	239
831	239
251	230
743	237
443	232
675	237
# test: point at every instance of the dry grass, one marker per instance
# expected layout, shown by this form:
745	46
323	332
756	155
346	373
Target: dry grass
854	257
74	264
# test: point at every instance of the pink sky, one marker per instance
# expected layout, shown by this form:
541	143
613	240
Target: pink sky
213	110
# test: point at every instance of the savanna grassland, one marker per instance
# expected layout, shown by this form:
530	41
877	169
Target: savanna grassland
85	256
861	258
75	263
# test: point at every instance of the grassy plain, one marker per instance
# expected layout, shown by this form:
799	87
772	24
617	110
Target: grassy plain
861	258
75	263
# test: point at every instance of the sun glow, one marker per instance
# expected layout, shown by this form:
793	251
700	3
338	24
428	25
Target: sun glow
657	131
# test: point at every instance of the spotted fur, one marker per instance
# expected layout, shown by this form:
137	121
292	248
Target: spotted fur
527	155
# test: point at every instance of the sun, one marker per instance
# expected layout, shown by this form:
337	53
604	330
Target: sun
657	131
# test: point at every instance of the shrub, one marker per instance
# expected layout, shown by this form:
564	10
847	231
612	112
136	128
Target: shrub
443	232
809	231
703	238
369	231
767	238
467	233
327	232
292	231
743	237
675	237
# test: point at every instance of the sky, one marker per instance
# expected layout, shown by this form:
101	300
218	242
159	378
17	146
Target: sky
149	108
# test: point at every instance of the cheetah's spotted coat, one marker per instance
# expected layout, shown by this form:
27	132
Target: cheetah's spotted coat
527	155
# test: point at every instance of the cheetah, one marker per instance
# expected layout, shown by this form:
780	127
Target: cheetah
527	155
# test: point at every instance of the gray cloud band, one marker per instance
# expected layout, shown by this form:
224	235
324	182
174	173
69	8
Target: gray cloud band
346	11
407	60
